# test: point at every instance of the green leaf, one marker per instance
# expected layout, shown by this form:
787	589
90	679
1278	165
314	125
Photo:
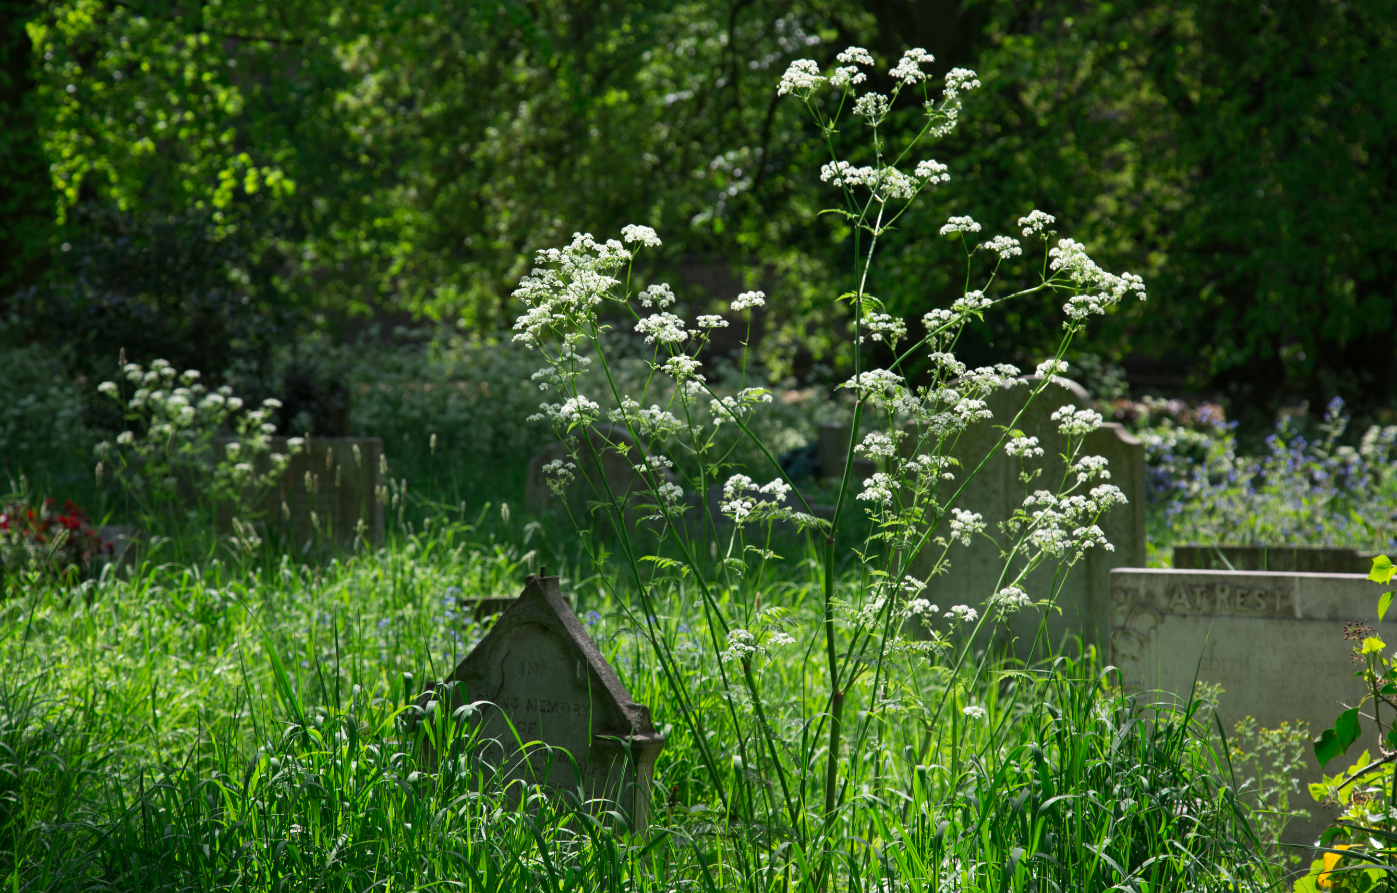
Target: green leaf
1335	742
1383	569
1384	603
1392	739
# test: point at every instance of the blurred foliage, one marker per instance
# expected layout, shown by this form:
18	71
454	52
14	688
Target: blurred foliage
228	176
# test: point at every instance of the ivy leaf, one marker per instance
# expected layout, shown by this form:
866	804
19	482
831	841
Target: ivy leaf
1383	570
1335	742
1384	603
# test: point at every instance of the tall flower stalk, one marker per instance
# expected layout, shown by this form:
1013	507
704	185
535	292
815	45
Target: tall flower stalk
807	764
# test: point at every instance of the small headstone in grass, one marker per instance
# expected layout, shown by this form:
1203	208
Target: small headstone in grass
1273	641
545	681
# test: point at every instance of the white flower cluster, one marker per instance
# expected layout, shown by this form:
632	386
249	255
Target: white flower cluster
1089	468
1009	600
882	327
569	414
1051	367
682	367
909	68
652	423
886	183
1036	223
1065	526
744	644
965	525
974	712
563	290
711	321
1023	447
764	503
958	81
1004	246
1076	422
559	474
932	172
963	613
878	489
876	445
749	300
642	234
1105	289
738	406
658	294
181	418
802	78
872	106
959	225
875	382
855	56
973	302
663	327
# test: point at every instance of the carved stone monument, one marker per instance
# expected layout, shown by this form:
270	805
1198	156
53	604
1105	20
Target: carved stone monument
1273	641
546	681
997	491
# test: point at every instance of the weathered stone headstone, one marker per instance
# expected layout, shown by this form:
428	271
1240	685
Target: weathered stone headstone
616	452
543	675
996	492
327	490
833	443
1273	641
1305	559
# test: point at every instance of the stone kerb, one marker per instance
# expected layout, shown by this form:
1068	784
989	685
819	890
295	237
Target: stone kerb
543	676
1272	640
996	492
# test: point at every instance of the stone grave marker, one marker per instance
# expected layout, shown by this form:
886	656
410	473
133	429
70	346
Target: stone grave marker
997	491
1306	559
1272	640
326	491
618	456
540	672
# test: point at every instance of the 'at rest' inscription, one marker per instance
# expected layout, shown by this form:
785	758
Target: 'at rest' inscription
1207	598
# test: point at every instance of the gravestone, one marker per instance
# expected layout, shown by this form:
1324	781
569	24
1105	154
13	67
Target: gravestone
996	492
1272	640
1305	559
616	452
543	675
833	449
328	488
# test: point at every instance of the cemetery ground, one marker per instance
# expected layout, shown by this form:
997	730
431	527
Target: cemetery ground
209	725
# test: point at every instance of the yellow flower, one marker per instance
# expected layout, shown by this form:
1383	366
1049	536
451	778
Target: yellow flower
1373	645
1331	860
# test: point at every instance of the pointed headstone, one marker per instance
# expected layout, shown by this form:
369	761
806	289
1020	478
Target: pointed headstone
543	675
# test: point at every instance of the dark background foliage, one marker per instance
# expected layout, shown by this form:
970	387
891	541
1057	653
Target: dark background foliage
214	182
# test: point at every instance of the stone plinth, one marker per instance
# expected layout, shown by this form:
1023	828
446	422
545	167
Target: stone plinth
996	492
546	681
1273	641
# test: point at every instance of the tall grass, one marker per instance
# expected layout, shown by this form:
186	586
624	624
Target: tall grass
241	726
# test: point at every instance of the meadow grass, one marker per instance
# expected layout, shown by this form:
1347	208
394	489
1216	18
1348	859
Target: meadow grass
239	724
